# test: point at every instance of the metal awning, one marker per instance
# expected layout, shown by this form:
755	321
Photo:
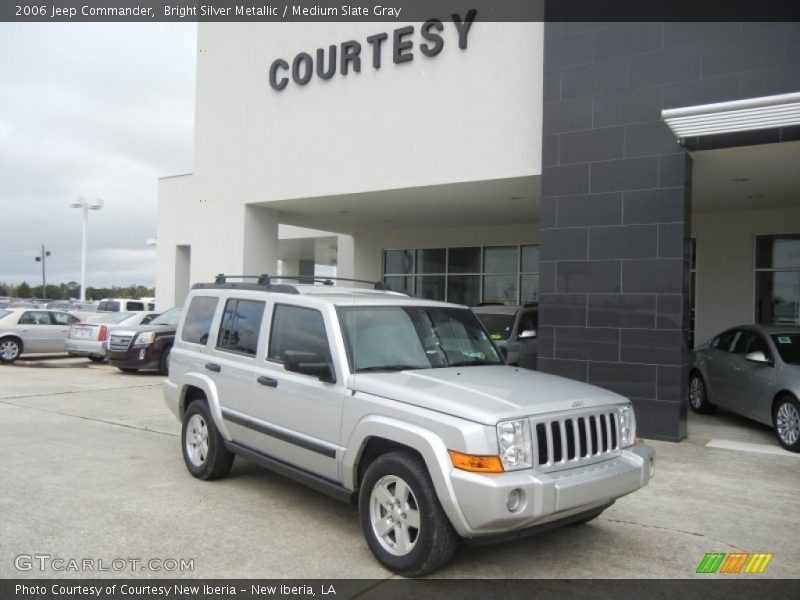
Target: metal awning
766	112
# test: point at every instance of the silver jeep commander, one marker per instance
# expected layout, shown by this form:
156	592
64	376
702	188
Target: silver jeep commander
400	404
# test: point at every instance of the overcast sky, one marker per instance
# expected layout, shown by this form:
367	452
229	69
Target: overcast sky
94	110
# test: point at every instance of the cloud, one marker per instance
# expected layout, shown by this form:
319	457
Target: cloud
93	110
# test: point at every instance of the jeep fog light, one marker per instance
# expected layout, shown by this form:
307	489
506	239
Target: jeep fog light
627	426
514	441
515	500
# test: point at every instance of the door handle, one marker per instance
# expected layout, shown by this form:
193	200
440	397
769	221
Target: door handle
268	381
213	367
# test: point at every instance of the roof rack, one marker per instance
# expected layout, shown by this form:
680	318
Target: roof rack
264	281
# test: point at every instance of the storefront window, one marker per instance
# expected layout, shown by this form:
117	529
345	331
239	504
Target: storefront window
471	275
778	279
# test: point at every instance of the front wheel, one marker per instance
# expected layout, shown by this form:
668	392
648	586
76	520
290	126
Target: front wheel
204	450
163	368
786	419
698	396
401	517
10	349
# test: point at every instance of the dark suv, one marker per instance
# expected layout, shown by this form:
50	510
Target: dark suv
144	347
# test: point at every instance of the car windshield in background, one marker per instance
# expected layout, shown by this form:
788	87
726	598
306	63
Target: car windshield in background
498	326
4	313
117	317
788	345
395	338
171	318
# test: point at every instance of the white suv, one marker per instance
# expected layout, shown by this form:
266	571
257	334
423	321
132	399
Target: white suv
402	405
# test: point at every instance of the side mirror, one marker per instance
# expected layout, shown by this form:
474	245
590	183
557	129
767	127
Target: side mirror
757	357
308	363
527	334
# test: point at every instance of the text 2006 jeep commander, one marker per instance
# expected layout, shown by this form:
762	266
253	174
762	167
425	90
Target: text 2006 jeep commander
401	404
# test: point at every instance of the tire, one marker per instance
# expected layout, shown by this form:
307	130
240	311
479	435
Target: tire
786	420
97	359
204	450
698	395
396	494
10	349
164	364
127	369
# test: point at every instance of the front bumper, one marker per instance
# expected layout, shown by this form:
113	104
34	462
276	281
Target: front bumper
136	357
85	347
483	499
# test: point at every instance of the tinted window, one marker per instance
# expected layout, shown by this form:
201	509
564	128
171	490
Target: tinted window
725	341
35	318
241	322
109	306
137	306
198	320
788	345
297	328
498	326
171	318
528	321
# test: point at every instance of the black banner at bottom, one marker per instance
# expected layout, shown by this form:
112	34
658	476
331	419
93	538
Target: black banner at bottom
717	588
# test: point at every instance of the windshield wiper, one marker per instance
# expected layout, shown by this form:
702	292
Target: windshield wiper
470	363
389	368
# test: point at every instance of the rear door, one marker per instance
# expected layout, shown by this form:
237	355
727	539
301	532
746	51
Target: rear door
61	322
38	332
720	365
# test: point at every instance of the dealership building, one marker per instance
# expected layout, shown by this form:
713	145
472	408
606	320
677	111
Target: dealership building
640	181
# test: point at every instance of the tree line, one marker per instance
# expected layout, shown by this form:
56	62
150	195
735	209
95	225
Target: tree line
69	290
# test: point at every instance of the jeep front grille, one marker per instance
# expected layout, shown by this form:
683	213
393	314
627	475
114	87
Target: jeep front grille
119	342
574	439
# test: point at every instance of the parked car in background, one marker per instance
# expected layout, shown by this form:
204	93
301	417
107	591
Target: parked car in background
89	337
73	305
754	371
146	347
513	330
125	304
32	331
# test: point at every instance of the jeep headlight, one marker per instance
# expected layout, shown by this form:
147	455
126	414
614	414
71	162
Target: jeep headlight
627	426
514	441
145	339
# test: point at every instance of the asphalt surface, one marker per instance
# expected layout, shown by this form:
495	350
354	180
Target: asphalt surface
92	469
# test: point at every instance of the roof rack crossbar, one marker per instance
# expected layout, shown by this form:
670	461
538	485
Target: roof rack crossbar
262	279
378	285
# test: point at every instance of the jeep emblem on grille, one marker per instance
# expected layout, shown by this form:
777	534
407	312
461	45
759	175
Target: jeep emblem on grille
577	404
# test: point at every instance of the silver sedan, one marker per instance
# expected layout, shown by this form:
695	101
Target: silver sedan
754	371
32	331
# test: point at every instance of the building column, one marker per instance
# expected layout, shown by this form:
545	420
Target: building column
614	232
260	241
358	257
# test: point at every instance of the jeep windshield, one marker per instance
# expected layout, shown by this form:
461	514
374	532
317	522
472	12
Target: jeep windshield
396	338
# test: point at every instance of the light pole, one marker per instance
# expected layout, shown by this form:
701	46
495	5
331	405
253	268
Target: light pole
86	206
43	254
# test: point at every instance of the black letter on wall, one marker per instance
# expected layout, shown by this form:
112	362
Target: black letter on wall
438	42
351	52
323	73
400	46
376	41
463	28
273	74
309	68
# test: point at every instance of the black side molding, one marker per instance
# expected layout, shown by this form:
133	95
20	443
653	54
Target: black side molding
326	486
278	434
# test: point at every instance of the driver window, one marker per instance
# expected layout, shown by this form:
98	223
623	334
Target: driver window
297	328
752	342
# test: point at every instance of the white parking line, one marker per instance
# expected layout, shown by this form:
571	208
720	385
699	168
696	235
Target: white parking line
745	447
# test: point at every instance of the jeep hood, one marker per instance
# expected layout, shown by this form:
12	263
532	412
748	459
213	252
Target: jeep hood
484	394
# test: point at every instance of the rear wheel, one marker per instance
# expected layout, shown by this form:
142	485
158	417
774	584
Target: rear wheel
10	349
204	450
698	396
401	517
786	419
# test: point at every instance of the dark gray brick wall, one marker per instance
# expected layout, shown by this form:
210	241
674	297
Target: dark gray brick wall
616	189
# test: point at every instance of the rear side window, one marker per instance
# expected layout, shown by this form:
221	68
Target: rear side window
135	306
297	328
63	319
198	320
35	318
241	323
109	306
726	341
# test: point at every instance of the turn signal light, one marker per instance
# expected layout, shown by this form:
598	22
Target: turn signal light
475	463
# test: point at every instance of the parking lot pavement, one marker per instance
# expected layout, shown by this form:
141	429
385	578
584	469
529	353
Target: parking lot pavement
92	469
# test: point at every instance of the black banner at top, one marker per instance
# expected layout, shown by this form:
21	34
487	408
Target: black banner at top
396	10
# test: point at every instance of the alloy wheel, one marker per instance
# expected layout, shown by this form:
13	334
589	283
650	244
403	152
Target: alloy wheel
9	350
788	423
394	515
696	392
197	440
